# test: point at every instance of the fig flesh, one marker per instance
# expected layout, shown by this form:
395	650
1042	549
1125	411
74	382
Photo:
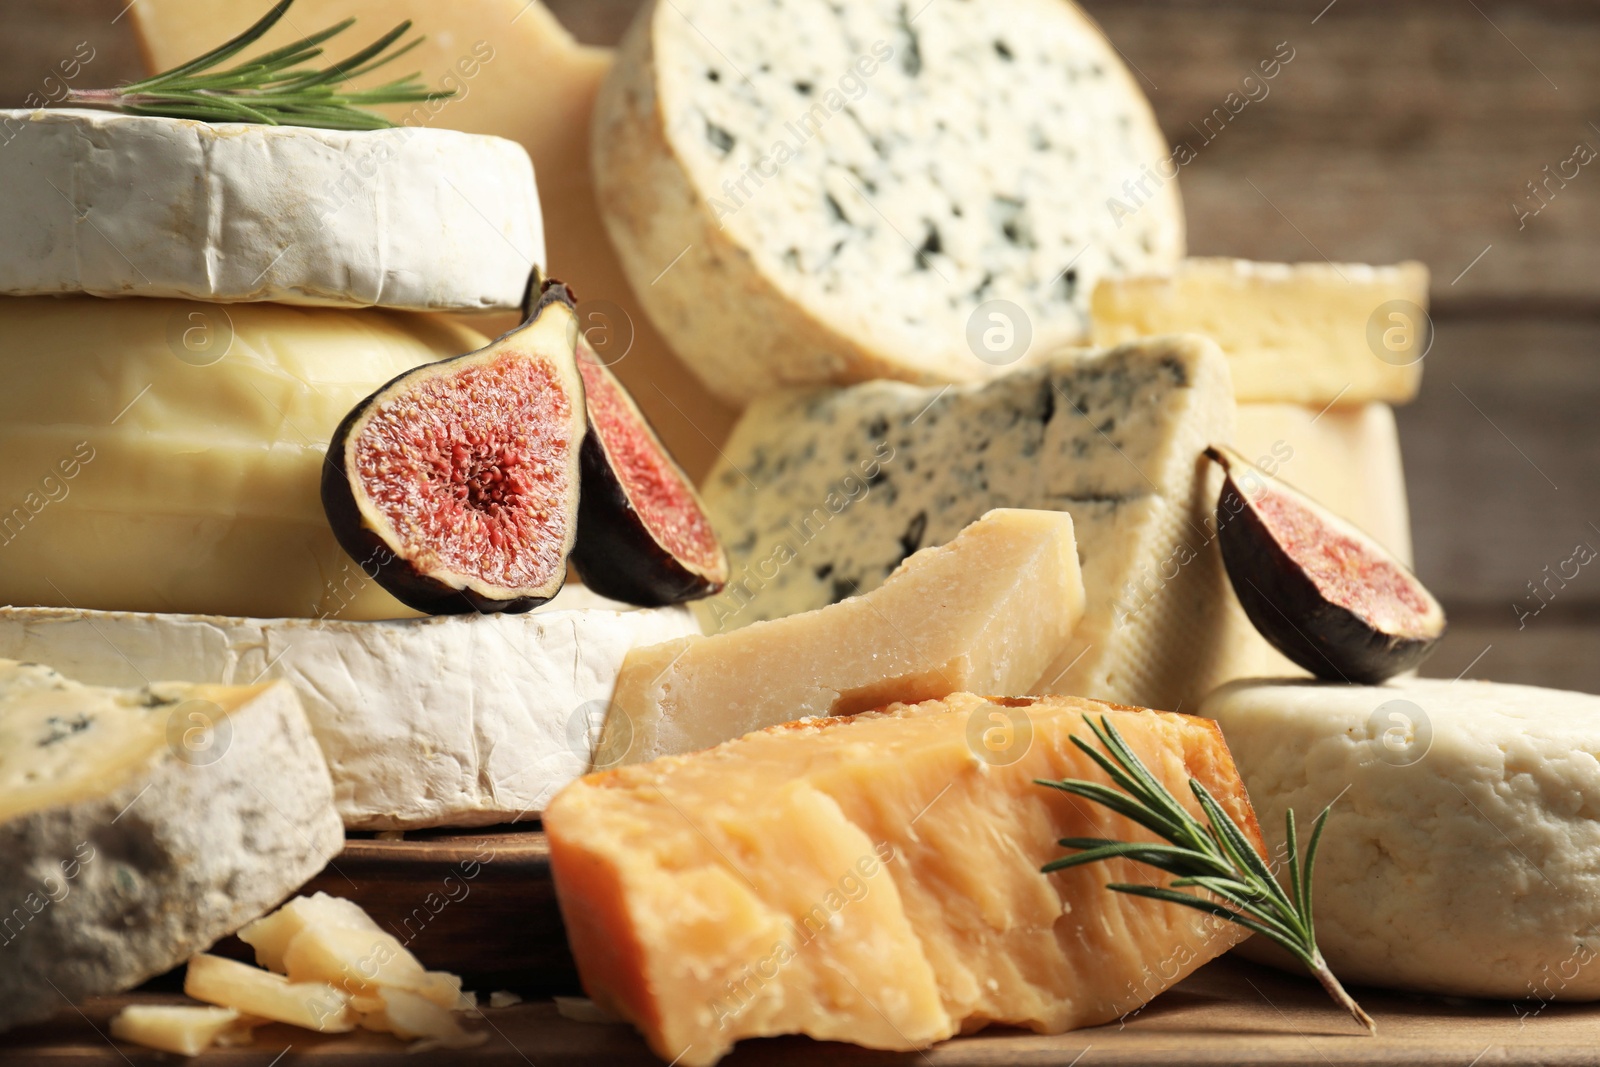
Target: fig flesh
1321	591
643	534
455	486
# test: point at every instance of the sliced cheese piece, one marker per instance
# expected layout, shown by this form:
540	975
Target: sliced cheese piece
985	613
1112	438
167	455
181	1029
363	962
230	984
875	879
483	51
1462	855
1346	458
139	826
408	1015
110	204
270	935
448	721
1304	333
874	201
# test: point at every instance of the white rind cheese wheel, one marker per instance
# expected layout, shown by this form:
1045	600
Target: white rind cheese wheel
167	455
829	193
139	826
125	205
1463	854
448	721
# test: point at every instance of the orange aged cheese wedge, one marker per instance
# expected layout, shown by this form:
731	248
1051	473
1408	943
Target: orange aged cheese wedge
988	612
876	879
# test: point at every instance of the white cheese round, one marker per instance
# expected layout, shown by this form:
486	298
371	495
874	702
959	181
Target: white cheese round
1463	854
449	721
166	455
124	205
139	826
831	193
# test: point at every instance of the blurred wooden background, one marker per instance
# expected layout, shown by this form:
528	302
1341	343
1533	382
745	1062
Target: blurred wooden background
1397	131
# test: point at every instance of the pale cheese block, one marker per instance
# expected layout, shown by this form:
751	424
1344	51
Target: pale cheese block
483	50
857	479
1304	333
165	455
447	721
876	879
139	826
1462	856
809	192
110	204
985	613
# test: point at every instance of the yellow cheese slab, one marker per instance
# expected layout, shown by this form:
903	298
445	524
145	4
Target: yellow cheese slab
876	879
166	455
1305	333
986	612
517	73
186	1031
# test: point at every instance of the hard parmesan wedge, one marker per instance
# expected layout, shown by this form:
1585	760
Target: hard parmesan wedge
230	984
181	1029
877	879
987	612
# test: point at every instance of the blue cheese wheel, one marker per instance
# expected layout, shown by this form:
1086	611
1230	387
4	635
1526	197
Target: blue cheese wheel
814	192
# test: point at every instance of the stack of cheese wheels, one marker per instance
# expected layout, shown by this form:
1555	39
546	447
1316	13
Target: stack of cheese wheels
187	311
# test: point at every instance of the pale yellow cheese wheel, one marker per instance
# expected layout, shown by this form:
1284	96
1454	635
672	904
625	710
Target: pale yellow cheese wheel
163	455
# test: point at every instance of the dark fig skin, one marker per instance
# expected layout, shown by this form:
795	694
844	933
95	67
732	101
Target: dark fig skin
1285	604
615	554
377	559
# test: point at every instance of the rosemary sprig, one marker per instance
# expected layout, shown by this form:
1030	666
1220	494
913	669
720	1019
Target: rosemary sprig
275	88
1218	858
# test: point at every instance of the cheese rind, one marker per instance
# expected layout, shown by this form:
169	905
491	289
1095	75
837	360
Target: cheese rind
166	455
843	209
483	50
1112	438
131	205
117	806
447	721
875	880
1304	333
985	613
1462	855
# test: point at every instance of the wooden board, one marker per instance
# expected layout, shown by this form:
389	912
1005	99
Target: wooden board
1230	1012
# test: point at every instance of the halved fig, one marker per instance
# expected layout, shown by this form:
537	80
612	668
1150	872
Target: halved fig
455	486
1323	593
643	535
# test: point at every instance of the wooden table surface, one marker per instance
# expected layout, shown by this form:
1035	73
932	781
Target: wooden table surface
1231	1012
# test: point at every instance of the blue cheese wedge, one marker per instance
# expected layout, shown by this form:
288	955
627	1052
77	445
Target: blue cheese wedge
822	494
139	826
449	721
832	193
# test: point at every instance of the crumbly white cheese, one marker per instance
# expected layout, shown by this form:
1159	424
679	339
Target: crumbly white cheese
125	205
448	721
167	455
822	494
821	192
1463	852
138	826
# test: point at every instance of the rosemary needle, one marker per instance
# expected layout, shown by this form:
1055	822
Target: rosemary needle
1218	858
276	88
